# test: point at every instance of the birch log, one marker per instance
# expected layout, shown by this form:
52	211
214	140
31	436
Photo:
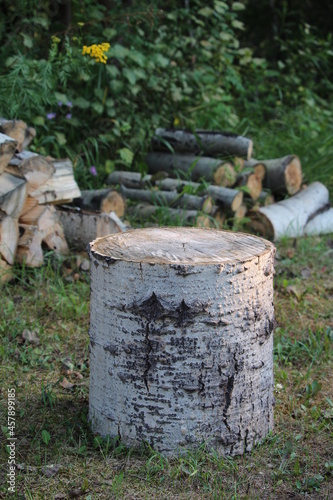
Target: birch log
197	167
321	223
81	227
210	142
283	175
176	216
288	218
170	198
9	234
104	200
181	338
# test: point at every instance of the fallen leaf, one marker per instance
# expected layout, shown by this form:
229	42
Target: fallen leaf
291	252
50	470
30	336
305	273
67	364
292	290
65	384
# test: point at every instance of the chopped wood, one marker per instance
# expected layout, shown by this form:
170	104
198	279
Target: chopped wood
248	180
288	218
104	200
60	187
7	150
29	204
5	271
211	143
81	227
283	175
29	250
170	198
196	167
36	169
175	216
9	234
18	130
13	193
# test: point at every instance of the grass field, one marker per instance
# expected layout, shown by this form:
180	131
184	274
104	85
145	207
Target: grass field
57	455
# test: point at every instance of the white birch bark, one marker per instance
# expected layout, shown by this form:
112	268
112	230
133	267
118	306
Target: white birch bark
181	338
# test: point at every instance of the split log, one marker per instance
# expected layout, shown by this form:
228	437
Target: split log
104	200
34	168
181	339
283	175
322	223
18	130
9	234
7	150
29	250
41	225
5	271
175	216
248	180
196	167
211	143
170	198
13	193
59	188
288	218
81	227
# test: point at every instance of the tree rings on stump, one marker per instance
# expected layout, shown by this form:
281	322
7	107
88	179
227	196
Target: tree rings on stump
181	338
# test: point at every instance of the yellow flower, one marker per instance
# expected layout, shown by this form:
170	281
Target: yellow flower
55	39
176	121
97	51
80	24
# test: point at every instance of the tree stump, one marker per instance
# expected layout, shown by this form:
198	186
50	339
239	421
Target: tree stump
181	338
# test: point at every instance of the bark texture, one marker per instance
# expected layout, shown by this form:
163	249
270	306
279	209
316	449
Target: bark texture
181	338
210	142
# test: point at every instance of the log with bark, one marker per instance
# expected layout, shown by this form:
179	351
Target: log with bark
175	216
289	218
224	197
18	130
252	185
196	167
172	199
7	150
82	227
320	223
258	168
211	143
181	339
103	200
283	175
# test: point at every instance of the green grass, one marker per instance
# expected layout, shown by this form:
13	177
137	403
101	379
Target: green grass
59	455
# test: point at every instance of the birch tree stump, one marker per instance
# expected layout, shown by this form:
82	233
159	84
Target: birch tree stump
181	338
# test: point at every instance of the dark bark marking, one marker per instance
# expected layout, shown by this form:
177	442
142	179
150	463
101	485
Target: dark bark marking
147	360
245	439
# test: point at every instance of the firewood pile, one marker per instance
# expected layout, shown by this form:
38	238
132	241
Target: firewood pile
210	179
32	186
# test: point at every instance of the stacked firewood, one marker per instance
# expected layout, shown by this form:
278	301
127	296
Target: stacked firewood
209	179
34	193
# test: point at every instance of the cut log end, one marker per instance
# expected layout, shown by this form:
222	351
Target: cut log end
114	202
178	246
225	175
293	176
